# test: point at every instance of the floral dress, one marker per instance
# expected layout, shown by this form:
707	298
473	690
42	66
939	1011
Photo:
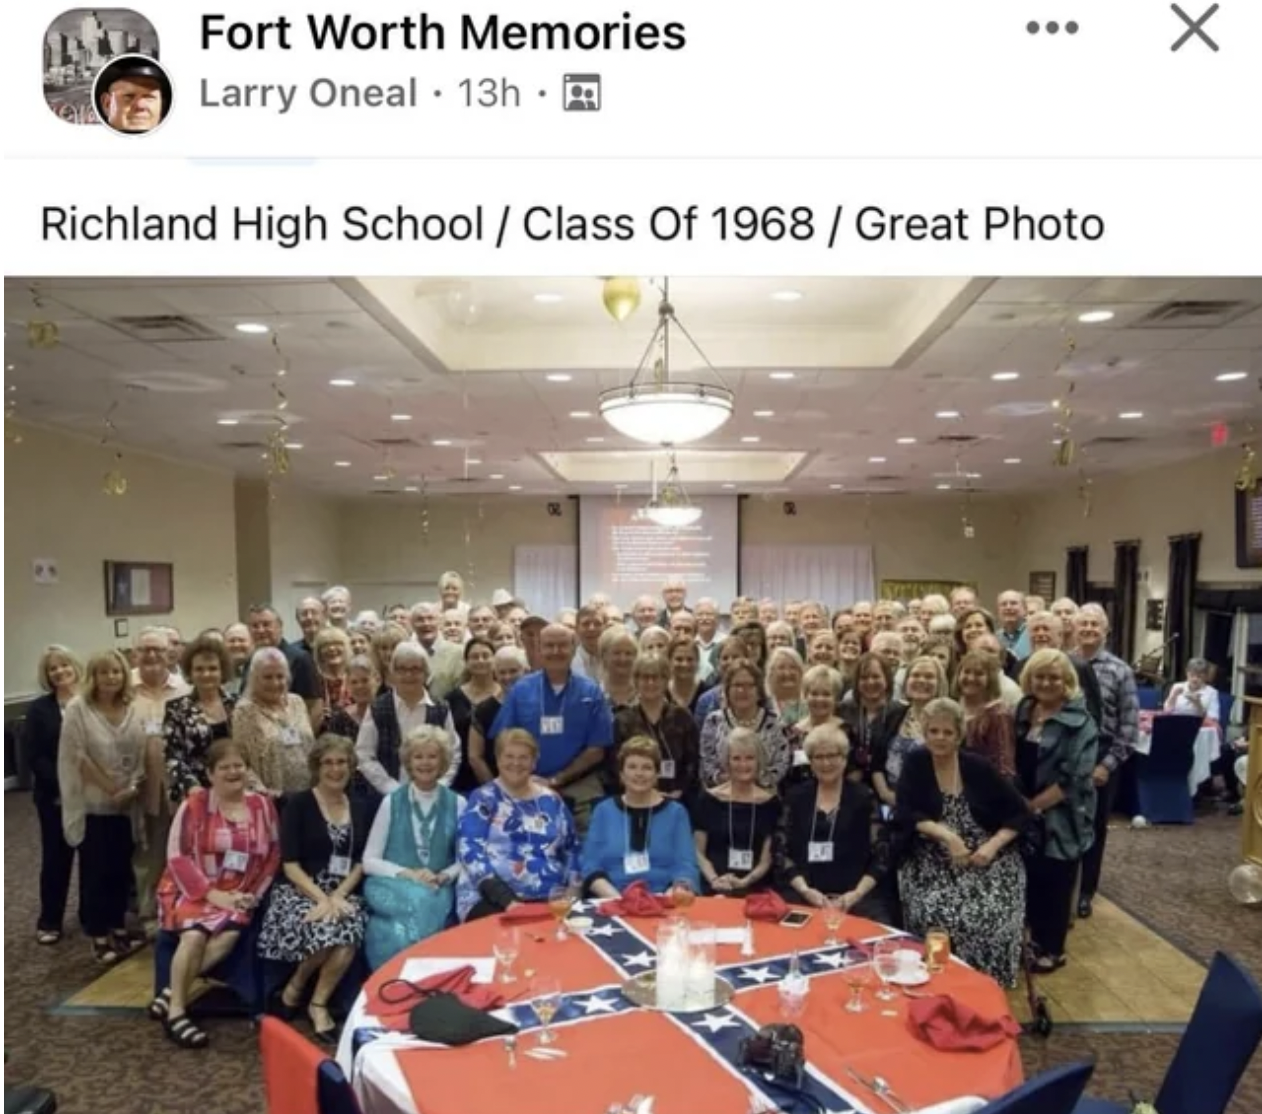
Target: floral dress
188	736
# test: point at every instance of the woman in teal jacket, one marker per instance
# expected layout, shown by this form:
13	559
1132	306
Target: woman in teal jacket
640	835
1056	749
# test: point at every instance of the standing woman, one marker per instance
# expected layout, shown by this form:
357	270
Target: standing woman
784	685
361	688
221	858
1056	749
684	687
477	684
988	730
926	681
272	725
735	822
100	768
744	705
731	653
871	714
821	691
332	652
507	667
670	726
315	919
618	652
60	675
193	723
849	650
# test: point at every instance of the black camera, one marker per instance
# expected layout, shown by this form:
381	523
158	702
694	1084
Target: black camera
778	1050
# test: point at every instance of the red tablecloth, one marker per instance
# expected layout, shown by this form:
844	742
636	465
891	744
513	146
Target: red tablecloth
615	1051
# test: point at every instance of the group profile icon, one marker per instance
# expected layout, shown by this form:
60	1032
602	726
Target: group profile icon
101	66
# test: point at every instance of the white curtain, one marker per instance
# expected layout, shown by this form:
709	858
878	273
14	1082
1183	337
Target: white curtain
545	577
834	575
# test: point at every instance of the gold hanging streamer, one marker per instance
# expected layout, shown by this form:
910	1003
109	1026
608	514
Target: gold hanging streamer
41	333
1065	445
1085	493
11	434
1247	473
424	510
282	360
471	576
114	481
621	297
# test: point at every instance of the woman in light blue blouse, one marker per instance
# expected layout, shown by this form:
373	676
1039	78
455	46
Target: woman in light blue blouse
517	839
640	836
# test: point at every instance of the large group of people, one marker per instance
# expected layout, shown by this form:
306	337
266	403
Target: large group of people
922	763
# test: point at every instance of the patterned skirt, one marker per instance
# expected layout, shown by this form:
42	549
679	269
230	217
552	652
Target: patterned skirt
288	937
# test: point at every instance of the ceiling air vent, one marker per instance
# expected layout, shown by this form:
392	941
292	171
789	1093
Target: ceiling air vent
1105	442
956	439
385	491
167	328
394	442
885	479
1193	315
243	444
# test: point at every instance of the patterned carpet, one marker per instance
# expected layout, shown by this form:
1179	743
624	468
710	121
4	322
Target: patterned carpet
1172	879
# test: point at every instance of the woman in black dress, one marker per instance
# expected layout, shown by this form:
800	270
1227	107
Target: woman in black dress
871	714
478	684
671	727
735	822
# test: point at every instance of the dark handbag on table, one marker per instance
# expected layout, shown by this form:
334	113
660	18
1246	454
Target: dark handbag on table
444	1019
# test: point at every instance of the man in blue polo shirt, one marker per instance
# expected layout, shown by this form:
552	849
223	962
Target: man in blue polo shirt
569	718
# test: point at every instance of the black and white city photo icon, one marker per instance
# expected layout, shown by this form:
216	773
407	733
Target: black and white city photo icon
582	92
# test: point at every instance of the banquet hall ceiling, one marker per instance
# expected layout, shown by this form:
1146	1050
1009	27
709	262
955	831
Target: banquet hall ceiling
480	385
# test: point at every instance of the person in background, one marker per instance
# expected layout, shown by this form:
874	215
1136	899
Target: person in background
266	629
784	685
273	728
822	649
988	728
337	606
707	615
479	684
382	647
1195	697
1012	632
100	772
446	661
240	647
618	653
781	636
1033	604
362	682
451	591
822	695
591	625
507	667
926	682
849	651
60	675
529	633
398	613
654	716
1118	734
963	600
735	822
711	699
1047	633
640	835
502	601
742	612
674	598
480	620
745	704
569	717
1067	612
331	650
768	611
644	613
683	624
990	646
311	619
222	855
685	687
361	638
454	627
194	722
872	716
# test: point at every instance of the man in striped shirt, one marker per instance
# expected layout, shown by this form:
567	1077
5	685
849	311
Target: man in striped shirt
1119	732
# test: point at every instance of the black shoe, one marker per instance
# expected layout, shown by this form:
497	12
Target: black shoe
1084	907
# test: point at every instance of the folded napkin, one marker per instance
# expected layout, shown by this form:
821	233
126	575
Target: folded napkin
765	906
951	1026
526	911
637	901
393	1001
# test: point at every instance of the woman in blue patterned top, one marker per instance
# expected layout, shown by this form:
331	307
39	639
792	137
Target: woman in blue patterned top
517	839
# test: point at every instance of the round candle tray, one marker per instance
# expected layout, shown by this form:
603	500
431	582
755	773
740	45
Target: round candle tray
642	991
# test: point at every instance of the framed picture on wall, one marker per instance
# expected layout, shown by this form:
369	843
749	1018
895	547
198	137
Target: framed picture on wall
1043	584
139	588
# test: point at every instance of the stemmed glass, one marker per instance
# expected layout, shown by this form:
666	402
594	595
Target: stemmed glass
857	980
834	914
506	949
546	1004
560	901
886	963
682	895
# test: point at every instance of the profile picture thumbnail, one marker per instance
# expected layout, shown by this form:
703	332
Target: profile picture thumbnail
101	66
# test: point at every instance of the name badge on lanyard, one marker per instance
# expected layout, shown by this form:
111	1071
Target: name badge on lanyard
236	861
552	725
818	851
289	737
740	860
536	825
636	862
339	865
799	757
668	769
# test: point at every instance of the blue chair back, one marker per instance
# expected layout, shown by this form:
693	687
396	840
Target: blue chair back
1149	698
1226	704
1224	1033
1162	781
1054	1092
333	1092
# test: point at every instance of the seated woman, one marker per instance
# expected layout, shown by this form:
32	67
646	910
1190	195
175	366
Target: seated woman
639	836
956	824
517	839
1195	697
315	918
222	855
733	823
410	858
824	845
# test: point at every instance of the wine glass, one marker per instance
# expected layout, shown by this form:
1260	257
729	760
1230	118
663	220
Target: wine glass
886	963
857	979
834	914
546	1004
506	949
560	901
682	895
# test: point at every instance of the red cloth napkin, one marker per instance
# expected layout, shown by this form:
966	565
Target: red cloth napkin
637	901
526	911
765	906
391	1002
951	1026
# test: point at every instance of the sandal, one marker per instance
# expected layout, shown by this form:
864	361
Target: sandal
325	1035
160	1007
122	943
1047	964
180	1030
103	952
47	937
280	1007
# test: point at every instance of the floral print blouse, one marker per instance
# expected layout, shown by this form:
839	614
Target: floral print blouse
189	734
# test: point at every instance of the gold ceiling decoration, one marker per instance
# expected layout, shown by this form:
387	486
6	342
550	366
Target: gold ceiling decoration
114	482
424	510
11	433
1247	473
1065	446
1085	493
40	332
621	297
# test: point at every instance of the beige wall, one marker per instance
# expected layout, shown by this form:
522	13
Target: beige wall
305	548
1196	496
55	508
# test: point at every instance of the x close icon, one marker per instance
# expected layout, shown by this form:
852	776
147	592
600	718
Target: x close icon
1195	28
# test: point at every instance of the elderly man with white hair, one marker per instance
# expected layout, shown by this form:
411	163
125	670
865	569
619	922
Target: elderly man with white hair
644	613
446	661
396	714
337	606
674	596
1119	732
1012	632
1066	610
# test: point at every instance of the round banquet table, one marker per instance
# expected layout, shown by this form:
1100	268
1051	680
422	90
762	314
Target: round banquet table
615	1050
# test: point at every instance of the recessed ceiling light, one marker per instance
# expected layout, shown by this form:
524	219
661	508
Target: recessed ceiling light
558	377
229	421
947	414
906	441
1131	415
411	490
471	462
497	475
787	296
442	444
341	464
836	487
595	440
381	478
1096	316
253	328
341	382
972	475
764	413
514	487
1005	376
1012	460
876	460
1231	376
400	417
580	413
293	445
549	299
729	487
751	440
944	487
783	375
